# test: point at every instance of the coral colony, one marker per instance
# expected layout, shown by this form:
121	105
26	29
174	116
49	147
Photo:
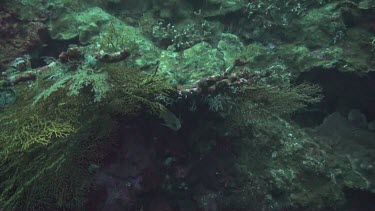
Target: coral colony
179	105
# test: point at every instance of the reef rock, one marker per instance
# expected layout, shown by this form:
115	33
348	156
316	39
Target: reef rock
192	64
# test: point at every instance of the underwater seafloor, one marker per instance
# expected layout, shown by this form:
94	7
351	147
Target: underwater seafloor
163	105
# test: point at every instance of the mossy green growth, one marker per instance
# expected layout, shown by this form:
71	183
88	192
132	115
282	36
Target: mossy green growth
52	135
260	102
36	145
134	92
76	81
56	175
24	126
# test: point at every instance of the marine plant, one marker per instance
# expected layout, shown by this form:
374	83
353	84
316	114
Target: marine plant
35	143
75	81
261	101
113	40
139	91
257	101
59	127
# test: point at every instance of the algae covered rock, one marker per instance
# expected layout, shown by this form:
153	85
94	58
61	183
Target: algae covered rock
82	25
366	4
354	144
173	8
116	36
322	26
329	35
192	64
105	32
222	7
294	59
349	58
231	47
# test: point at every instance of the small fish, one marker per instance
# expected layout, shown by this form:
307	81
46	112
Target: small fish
170	120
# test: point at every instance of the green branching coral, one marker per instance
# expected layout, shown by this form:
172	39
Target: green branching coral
42	146
256	102
53	176
34	145
278	101
76	81
45	151
115	39
58	128
135	91
34	130
24	126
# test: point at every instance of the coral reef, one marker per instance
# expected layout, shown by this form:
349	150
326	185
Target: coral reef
187	105
52	126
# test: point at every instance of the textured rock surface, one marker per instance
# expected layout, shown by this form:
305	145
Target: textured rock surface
82	25
189	66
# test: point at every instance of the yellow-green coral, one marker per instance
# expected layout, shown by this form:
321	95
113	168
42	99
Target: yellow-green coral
24	126
37	146
75	82
259	102
39	131
46	147
134	91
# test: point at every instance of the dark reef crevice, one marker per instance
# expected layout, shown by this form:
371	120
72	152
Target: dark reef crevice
359	200
342	92
51	49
